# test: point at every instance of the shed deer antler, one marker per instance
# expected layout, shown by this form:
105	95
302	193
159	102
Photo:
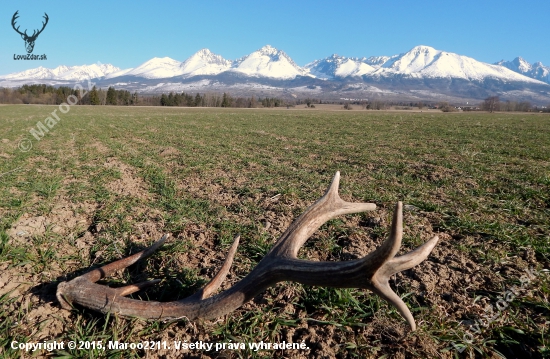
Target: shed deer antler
280	264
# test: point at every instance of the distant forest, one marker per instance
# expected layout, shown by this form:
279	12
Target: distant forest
49	95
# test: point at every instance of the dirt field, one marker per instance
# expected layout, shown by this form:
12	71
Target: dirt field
106	182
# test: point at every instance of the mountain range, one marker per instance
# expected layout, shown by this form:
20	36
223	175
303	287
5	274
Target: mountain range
536	71
422	73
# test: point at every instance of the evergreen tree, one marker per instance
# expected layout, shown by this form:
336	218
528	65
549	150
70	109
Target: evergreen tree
59	96
111	96
226	100
178	100
94	97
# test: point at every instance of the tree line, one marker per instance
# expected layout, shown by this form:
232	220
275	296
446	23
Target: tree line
493	103
217	100
111	97
49	95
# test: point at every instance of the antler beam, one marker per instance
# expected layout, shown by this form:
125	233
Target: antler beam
280	264
13	20
44	23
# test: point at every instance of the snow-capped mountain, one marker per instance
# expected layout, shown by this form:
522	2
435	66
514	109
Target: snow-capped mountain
339	66
518	65
74	73
204	62
537	70
268	62
418	74
540	72
156	68
427	62
419	62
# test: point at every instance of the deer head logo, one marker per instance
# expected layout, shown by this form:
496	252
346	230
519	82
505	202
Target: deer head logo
29	40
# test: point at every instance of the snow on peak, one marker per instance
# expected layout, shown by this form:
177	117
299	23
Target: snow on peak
157	68
209	57
423	48
541	72
339	66
523	66
268	62
377	61
62	72
204	62
204	52
268	50
156	61
413	61
520	65
427	62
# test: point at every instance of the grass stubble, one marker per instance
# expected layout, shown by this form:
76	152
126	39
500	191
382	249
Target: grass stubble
108	181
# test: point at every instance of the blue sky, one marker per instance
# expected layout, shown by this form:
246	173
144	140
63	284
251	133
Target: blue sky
126	33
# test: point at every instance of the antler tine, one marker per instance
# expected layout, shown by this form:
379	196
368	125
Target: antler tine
218	279
391	246
329	206
384	290
411	259
111	268
391	265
